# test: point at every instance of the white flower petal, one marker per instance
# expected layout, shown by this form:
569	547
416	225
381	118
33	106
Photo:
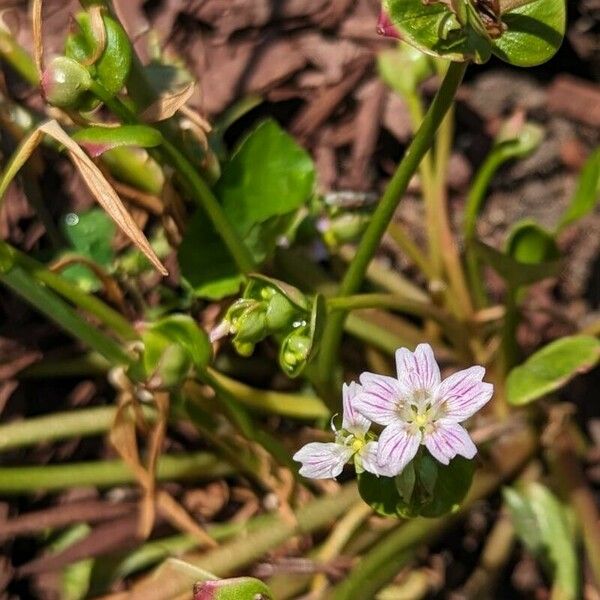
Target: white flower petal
461	395
353	421
323	460
397	447
449	439
419	370
370	463
380	398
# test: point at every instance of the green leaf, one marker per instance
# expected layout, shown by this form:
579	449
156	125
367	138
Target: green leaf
237	588
98	140
90	235
530	244
587	193
268	175
183	330
112	67
267	179
514	272
543	525
437	489
436	30
551	368
535	32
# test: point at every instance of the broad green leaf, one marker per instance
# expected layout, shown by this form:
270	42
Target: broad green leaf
530	244
268	175
534	33
205	262
587	193
435	29
543	525
551	368
514	272
436	490
98	140
267	179
90	235
183	330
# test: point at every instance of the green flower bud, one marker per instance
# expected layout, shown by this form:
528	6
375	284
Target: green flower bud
172	369
280	312
64	82
251	325
243	348
346	228
295	351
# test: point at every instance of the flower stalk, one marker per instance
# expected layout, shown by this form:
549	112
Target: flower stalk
371	239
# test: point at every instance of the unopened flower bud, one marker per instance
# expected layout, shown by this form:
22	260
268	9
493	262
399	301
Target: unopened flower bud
64	82
251	325
280	312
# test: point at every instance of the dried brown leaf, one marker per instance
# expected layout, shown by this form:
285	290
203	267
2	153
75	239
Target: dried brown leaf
99	33
168	104
38	40
103	192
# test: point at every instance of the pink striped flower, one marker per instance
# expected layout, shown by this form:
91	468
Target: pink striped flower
417	407
326	460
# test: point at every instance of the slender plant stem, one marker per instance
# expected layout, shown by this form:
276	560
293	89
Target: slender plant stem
104	474
60	425
194	184
371	239
297	406
414	253
17	57
44	300
450	256
414	103
475	201
91	304
387	301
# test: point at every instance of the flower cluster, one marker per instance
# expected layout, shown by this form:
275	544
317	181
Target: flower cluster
415	408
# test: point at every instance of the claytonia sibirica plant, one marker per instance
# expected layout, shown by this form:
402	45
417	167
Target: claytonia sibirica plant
415	408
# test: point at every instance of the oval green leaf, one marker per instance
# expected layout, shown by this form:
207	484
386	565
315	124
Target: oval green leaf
535	32
551	368
437	490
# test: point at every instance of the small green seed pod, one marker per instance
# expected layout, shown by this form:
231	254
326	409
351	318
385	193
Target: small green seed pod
64	82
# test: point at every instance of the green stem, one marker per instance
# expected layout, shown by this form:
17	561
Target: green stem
17	57
94	306
414	253
104	474
414	104
424	310
296	406
194	184
44	300
495	159
371	239
60	426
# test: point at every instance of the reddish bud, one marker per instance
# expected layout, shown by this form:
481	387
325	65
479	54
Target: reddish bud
385	26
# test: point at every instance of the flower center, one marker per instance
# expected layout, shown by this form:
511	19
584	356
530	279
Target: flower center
357	444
